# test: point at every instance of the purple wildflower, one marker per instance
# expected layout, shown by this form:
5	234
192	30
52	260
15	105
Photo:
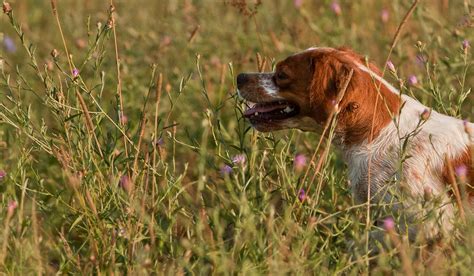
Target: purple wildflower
465	44
3	174
412	80
125	183
159	142
239	159
336	8
299	162
226	170
298	3
9	44
12	206
390	66
384	15
75	72
124	119
301	195
420	60
389	224
461	172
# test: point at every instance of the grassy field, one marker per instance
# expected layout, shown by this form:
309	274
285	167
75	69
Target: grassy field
123	148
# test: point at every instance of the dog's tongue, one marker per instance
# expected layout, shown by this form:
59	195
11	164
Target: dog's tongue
262	108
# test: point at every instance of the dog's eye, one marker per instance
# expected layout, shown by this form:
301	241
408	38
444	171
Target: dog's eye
281	76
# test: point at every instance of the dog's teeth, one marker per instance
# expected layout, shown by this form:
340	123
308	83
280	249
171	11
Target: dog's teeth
288	109
256	113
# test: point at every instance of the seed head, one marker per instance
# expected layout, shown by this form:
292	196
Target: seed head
7	9
425	114
54	53
110	23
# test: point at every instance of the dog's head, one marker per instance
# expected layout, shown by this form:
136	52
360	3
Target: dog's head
303	90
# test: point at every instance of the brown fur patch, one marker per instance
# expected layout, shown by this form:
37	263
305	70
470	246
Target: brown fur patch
360	109
465	159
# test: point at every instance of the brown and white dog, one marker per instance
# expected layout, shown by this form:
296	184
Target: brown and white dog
301	93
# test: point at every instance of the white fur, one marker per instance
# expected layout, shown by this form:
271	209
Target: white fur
270	88
377	77
429	143
323	49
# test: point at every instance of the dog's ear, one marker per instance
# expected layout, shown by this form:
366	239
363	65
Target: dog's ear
328	78
321	81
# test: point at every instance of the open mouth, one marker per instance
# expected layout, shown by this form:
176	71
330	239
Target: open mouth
269	111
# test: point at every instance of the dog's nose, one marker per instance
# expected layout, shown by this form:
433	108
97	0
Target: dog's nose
241	80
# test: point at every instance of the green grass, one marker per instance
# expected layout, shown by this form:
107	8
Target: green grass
96	194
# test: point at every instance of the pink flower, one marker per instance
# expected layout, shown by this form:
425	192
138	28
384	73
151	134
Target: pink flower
124	119
12	206
336	8
412	80
299	162
239	159
388	224
384	15
390	66
3	174
301	195
461	172
421	60
465	44
75	72
298	3
125	183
